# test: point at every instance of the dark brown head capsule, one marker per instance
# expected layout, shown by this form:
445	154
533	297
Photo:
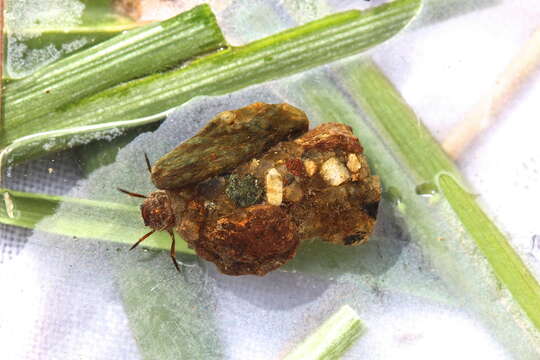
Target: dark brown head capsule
158	214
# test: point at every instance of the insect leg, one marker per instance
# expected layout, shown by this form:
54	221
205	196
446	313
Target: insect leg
131	193
148	163
173	250
141	239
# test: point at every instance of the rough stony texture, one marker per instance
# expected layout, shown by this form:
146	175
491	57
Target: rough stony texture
252	240
226	221
353	164
329	136
244	191
334	172
296	167
293	192
274	187
329	202
310	166
255	240
229	139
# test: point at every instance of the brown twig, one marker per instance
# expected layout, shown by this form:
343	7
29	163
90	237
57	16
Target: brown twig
483	114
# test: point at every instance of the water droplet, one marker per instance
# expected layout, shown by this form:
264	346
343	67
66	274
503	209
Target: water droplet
393	195
426	189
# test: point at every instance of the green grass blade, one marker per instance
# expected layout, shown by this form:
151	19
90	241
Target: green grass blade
26	209
96	154
98	22
427	162
506	264
450	225
433	167
277	56
171	315
82	218
380	100
62	39
27	146
332	339
430	221
133	54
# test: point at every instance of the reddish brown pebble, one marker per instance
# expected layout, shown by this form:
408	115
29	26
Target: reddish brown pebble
331	136
295	167
255	240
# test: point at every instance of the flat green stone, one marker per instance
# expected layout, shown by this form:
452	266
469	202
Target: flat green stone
229	139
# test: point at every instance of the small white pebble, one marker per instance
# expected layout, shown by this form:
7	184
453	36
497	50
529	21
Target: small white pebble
311	167
334	172
274	187
353	163
254	164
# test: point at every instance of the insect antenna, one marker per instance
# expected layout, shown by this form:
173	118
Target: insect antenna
148	163
131	193
142	239
173	251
